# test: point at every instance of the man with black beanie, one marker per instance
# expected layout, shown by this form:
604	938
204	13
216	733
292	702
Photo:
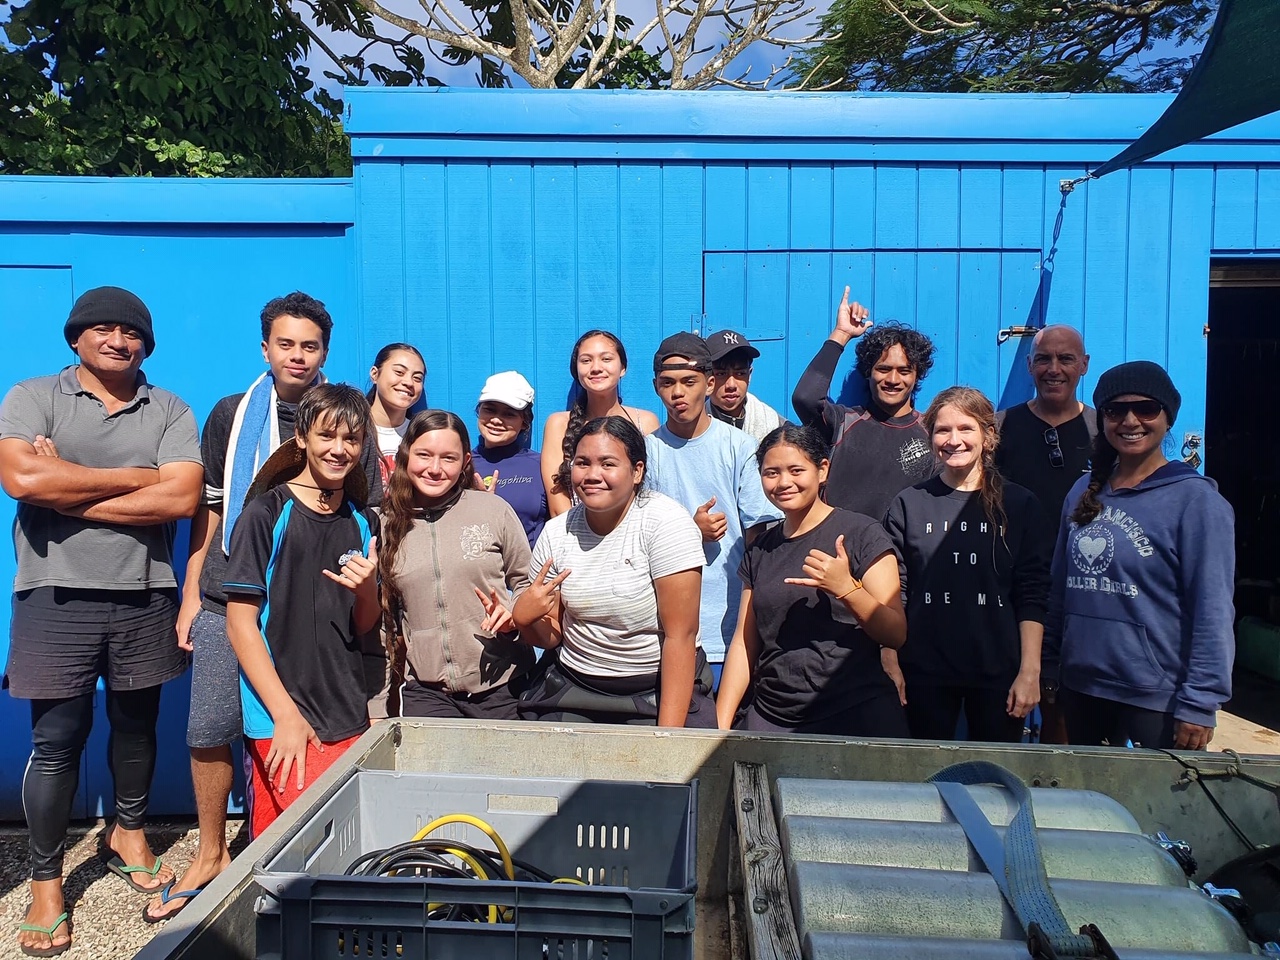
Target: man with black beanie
101	464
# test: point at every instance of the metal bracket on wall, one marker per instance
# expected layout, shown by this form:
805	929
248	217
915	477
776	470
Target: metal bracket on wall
1191	449
1019	331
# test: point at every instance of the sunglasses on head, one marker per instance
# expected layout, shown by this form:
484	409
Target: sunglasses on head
1056	459
1144	410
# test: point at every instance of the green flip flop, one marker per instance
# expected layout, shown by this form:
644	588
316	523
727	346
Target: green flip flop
54	949
125	872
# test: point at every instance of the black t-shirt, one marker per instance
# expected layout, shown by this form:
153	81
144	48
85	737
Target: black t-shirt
279	549
815	661
214	441
967	588
1024	455
872	456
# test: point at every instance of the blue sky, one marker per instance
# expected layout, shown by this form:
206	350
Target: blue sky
760	58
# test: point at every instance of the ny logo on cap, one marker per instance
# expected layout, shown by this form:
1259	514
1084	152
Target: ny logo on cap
730	338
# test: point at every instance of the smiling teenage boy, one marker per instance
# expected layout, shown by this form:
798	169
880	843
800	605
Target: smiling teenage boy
880	449
708	467
302	595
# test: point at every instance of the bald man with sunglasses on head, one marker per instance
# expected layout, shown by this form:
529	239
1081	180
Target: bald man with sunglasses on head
1046	443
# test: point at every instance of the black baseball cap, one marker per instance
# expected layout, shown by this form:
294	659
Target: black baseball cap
688	345
726	341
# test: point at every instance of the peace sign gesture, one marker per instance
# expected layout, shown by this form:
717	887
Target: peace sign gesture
828	573
852	320
542	598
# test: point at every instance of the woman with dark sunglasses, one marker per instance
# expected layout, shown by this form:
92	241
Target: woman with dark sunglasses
1139	634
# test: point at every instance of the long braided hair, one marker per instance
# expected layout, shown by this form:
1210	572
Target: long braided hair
1101	466
578	407
974	403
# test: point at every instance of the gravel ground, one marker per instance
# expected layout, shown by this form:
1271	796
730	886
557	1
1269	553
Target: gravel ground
106	914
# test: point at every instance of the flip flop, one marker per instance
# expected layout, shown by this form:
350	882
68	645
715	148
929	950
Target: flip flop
116	865
54	949
166	896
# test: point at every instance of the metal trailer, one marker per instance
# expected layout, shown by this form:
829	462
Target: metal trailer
1189	796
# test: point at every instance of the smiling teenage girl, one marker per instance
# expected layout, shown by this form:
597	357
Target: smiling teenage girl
1139	634
398	374
820	595
616	596
452	559
597	364
977	567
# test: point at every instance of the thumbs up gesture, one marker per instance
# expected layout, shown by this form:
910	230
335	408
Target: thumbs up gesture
828	573
357	573
851	320
712	525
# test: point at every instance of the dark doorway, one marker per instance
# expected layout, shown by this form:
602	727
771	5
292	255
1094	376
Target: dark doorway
1242	455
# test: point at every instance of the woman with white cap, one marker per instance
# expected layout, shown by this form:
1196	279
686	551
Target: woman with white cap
503	459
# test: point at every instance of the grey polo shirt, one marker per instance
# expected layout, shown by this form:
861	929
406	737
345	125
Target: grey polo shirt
54	550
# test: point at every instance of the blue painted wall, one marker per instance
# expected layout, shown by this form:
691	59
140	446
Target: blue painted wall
204	256
491	227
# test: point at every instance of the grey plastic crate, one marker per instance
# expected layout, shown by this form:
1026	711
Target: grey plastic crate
632	843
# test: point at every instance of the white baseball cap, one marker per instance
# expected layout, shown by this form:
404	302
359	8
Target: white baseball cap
508	387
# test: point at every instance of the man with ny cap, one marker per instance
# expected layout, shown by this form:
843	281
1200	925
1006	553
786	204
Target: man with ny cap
709	468
1046	444
731	356
101	463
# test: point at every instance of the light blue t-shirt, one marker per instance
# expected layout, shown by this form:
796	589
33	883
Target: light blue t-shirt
720	463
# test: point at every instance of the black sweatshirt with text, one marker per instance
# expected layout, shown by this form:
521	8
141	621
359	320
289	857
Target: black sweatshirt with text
967	585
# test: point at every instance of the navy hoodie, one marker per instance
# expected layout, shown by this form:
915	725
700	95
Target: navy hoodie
1140	610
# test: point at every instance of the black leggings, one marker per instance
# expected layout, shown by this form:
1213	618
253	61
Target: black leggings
1095	721
59	731
933	711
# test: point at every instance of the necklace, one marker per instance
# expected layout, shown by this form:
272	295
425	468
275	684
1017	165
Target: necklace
325	494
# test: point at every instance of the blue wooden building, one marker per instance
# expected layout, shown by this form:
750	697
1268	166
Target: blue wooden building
491	227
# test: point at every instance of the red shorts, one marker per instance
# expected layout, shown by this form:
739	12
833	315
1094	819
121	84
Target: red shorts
267	802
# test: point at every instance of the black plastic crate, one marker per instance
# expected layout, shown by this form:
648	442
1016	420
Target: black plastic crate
633	844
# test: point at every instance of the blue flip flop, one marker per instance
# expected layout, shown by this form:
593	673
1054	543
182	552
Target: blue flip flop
54	949
166	895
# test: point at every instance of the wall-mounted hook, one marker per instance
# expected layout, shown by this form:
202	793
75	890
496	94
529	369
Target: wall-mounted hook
1019	331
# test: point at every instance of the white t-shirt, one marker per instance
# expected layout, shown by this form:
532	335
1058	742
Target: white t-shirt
389	438
610	608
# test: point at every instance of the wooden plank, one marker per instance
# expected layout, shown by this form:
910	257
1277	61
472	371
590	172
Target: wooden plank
640	260
853	203
469	344
597	236
1150	226
938	289
554	271
424	280
812	209
768	199
1106	250
810	315
511	244
737	932
682	231
897	206
766	896
1065	281
726	206
939	212
1023	207
1235	208
1268	236
1189	295
980	207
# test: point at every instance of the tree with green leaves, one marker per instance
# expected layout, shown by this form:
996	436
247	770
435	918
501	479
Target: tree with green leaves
163	87
1006	46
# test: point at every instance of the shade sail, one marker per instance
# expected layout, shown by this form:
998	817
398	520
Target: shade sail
1236	79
